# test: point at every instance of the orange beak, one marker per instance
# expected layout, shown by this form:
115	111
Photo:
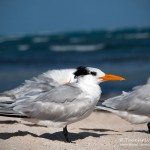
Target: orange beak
109	77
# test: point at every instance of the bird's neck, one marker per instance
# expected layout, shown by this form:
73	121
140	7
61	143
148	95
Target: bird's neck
90	87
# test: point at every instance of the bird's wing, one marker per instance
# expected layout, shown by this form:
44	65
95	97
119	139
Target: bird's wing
59	104
42	83
136	101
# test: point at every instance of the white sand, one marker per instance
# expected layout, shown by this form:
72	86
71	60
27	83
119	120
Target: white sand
102	131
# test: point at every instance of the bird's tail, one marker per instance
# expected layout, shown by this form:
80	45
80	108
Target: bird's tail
99	108
121	114
6	109
5	100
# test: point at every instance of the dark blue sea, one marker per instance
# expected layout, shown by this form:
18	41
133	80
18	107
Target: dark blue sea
123	52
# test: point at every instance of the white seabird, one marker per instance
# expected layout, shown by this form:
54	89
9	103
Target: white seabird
133	106
67	103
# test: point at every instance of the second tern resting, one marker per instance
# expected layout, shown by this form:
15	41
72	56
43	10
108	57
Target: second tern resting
64	104
133	106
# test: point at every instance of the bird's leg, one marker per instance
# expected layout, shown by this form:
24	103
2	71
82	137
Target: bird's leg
65	132
148	125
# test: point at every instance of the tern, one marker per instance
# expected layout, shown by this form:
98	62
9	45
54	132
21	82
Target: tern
132	106
66	103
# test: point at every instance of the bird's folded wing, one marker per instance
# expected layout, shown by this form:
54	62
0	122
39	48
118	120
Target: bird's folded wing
57	104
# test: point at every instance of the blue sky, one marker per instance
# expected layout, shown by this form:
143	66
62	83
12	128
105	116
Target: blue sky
38	16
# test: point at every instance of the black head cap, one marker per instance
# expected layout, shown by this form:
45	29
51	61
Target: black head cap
81	71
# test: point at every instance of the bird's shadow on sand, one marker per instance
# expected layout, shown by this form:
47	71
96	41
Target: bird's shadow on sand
9	122
6	135
141	131
98	130
57	136
14	122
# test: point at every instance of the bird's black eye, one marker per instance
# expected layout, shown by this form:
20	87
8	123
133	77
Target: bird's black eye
93	73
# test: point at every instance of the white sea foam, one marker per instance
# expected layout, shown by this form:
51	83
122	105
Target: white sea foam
80	48
23	47
40	39
10	38
137	36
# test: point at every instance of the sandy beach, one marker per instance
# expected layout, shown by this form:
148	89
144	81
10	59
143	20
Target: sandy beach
100	130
